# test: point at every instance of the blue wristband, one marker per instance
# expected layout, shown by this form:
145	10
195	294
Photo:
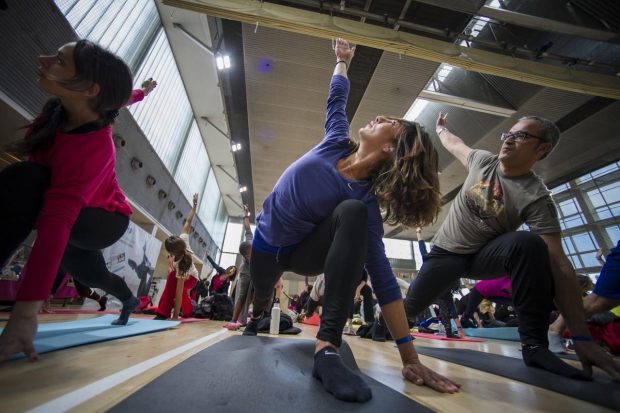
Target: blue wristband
581	338
403	340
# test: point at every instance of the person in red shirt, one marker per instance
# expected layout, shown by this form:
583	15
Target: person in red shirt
67	190
182	274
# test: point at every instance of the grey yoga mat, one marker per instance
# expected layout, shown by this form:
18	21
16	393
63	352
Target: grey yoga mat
601	391
255	375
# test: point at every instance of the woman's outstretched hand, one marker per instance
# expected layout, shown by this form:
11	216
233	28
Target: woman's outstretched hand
421	375
344	51
18	335
148	85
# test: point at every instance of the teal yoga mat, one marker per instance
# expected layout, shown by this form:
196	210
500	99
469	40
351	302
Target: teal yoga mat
497	333
56	336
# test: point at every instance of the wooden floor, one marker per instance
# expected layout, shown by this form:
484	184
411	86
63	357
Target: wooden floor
87	369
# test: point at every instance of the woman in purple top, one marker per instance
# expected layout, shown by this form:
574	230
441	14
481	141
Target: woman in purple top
323	216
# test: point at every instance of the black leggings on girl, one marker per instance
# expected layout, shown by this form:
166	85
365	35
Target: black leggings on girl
336	247
25	184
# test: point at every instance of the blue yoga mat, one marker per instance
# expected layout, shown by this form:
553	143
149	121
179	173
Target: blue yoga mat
497	333
56	336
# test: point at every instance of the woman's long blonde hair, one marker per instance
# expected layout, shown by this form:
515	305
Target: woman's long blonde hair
407	185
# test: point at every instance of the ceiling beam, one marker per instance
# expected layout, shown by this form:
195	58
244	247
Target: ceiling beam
466	103
524	20
545	24
325	26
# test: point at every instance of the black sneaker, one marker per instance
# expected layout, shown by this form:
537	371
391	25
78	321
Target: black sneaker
468	322
159	317
251	329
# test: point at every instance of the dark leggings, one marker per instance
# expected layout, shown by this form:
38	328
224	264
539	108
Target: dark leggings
82	290
523	255
369	314
336	247
24	185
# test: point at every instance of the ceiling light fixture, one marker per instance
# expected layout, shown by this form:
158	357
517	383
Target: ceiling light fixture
235	147
243	189
222	62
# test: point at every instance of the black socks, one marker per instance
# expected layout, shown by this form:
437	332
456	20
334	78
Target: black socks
102	303
540	356
337	378
128	307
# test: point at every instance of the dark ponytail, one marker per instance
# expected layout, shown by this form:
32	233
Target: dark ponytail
185	264
93	65
42	130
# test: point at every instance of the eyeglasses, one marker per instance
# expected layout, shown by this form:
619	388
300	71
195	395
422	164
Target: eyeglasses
519	136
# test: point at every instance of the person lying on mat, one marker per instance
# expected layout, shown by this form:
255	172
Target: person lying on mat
606	296
67	189
499	291
182	273
496	290
479	239
324	216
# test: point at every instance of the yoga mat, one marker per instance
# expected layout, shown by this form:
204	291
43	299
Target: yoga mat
315	320
56	336
434	337
184	320
80	311
256	375
497	333
601	391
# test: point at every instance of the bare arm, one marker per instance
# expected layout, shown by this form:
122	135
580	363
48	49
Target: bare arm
190	217
178	297
246	223
567	296
358	290
450	141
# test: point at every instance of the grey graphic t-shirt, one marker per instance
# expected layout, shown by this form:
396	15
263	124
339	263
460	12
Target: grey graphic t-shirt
490	204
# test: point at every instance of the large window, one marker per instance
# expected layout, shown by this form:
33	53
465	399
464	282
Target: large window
581	249
209	204
397	248
164	119
605	200
589	209
570	214
124	27
193	167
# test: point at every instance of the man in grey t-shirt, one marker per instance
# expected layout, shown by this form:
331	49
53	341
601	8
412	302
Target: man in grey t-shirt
478	239
244	282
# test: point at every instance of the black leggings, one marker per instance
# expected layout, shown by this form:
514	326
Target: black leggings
336	247
24	185
369	314
522	255
82	290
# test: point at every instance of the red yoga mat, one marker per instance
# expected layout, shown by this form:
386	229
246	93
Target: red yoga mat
315	320
434	337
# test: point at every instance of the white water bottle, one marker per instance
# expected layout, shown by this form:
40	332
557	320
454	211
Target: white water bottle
274	326
442	329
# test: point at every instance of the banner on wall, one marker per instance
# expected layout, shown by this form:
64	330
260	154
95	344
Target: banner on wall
133	257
